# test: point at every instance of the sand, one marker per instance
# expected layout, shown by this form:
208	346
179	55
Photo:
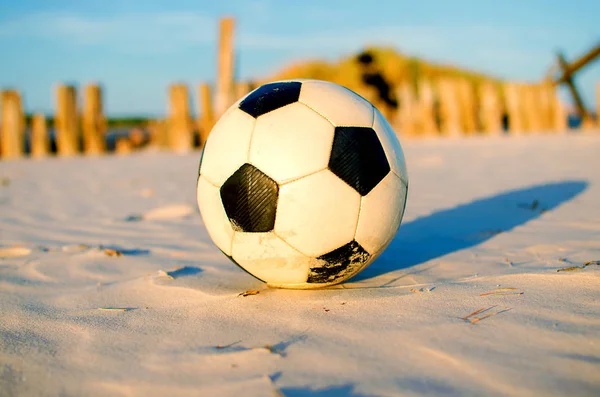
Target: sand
110	286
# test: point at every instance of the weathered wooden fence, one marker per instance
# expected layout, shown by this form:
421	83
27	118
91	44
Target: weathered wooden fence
437	107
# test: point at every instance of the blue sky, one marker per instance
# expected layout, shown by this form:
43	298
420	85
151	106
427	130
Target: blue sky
136	48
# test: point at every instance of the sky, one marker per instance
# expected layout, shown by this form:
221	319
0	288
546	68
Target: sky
136	48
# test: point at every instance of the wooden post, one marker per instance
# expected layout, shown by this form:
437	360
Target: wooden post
514	103
225	91
12	129
568	79
206	117
525	105
466	101
406	116
158	134
449	107
94	122
68	139
542	111
547	106
428	124
490	109
181	130
39	140
533	113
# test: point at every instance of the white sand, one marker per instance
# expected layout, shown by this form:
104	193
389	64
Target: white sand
472	226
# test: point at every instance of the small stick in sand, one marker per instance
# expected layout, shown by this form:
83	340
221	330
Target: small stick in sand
477	319
503	291
249	292
112	252
572	268
471	319
476	312
116	309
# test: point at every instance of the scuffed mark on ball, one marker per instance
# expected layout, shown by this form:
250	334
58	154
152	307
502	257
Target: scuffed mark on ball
338	264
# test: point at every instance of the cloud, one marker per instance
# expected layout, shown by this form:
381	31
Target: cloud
138	32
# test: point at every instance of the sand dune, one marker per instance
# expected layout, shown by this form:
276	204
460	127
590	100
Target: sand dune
109	284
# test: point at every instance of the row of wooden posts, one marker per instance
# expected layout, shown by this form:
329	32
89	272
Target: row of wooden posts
456	107
85	131
446	107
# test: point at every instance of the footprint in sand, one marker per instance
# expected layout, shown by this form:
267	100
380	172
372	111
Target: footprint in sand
163	213
14	252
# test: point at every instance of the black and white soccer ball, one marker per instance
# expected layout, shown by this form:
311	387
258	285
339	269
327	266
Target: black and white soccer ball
302	183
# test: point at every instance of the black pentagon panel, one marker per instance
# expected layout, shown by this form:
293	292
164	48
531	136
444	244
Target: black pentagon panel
240	266
250	200
270	97
358	158
337	263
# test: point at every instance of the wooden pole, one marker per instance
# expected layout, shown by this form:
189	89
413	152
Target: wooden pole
181	130
225	91
39	141
490	109
206	117
532	94
449	107
547	106
12	129
158	134
514	103
406	116
68	139
94	122
428	124
568	79
577	64
466	102
526	101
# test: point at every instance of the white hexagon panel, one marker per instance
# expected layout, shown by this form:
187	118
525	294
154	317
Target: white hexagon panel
337	104
317	214
381	212
287	150
226	148
391	145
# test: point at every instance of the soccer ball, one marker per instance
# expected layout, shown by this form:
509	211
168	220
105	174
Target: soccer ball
302	183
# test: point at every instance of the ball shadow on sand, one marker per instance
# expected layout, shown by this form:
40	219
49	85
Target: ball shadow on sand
467	225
